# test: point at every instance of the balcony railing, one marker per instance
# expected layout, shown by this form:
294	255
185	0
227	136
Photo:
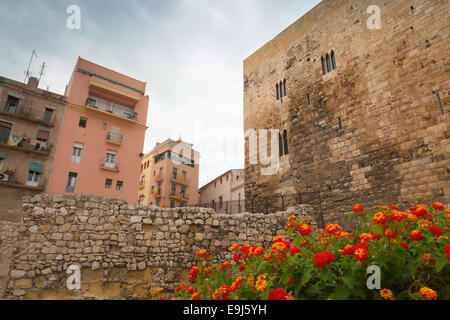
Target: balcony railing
114	138
177	197
180	180
112	108
29	114
27	147
10	180
106	165
159	177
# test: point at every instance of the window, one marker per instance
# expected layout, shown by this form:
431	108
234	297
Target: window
42	140
281	89
83	122
160	172
48	115
237	177
1	162
172	203
153	189
280	144
183	174
220	180
183	192
284	87
174	173
110	159
220	202
173	191
105	126
119	185
215	184
76	153
278	92
12	103
285	142
159	188
108	184
143	180
5	131
71	182
329	63
141	199
33	178
158	202
227	177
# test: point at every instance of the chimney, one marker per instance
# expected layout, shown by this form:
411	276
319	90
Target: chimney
33	82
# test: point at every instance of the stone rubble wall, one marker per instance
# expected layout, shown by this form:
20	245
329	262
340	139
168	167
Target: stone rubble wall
123	250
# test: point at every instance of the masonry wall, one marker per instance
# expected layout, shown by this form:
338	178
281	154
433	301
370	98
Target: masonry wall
372	131
123	250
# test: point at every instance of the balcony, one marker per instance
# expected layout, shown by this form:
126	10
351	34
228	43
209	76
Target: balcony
111	107
180	180
177	197
159	177
9	179
107	165
141	185
28	114
27	147
114	138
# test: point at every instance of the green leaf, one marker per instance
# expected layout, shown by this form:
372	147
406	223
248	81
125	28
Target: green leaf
440	264
348	281
341	293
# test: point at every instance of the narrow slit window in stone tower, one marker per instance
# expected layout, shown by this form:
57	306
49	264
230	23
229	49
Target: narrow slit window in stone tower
328	62
324	68
285	142
333	60
278	92
284	86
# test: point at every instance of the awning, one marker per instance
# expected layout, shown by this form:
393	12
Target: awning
43	135
15	95
36	167
2	155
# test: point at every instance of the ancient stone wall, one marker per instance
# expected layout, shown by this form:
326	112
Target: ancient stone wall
123	250
376	129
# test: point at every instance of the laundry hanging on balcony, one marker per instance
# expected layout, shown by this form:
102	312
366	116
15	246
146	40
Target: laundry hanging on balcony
14	140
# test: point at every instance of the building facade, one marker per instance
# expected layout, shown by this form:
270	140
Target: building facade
361	110
225	193
102	135
169	175
30	123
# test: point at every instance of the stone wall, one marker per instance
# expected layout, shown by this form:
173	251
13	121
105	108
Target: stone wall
372	131
123	250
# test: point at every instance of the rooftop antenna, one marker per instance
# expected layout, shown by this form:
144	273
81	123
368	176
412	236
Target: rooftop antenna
42	71
28	73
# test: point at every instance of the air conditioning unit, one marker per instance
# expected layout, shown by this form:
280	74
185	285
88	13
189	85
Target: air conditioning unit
4	177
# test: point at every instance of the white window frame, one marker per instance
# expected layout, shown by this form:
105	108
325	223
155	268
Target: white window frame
110	158
77	157
35	177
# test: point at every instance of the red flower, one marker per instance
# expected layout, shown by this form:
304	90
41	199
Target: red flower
361	254
278	294
291	280
193	273
245	249
435	230
236	258
389	234
404	245
295	250
181	287
304	229
242	267
380	218
447	248
394	208
323	258
420	211
224	265
416	235
329	255
438	206
361	245
349	250
358	208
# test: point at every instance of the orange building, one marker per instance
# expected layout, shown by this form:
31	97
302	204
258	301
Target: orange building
169	175
102	137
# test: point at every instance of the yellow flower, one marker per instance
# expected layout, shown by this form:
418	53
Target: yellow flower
276	238
279	246
443	237
429	293
250	281
291	218
365	236
386	293
423	223
412	217
235	247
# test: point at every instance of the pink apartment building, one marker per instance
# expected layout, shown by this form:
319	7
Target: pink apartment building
102	137
169	175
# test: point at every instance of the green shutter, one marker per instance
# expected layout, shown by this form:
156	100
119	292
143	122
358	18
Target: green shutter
36	167
2	155
71	174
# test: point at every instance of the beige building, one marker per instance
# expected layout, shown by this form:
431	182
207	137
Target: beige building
225	193
169	175
30	124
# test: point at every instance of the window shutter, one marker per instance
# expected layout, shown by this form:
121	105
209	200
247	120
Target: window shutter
42	135
36	167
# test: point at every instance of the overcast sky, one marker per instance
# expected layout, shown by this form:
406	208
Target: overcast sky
190	53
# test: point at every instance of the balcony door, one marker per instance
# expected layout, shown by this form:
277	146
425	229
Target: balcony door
110	159
5	131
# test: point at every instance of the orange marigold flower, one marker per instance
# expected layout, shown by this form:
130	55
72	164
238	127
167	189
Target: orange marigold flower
304	229
361	254
342	234
157	292
386	294
380	218
448	216
411	217
235	285
278	238
349	250
358	208
423	223
366	236
291	218
181	287
256	251
279	246
416	235
332	228
389	234
429	293
251	281
235	247
438	206
396	216
427	258
225	265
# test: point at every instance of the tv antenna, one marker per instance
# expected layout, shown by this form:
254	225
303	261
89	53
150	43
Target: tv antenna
28	73
42	71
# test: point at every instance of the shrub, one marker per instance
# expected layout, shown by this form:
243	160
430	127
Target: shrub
411	248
